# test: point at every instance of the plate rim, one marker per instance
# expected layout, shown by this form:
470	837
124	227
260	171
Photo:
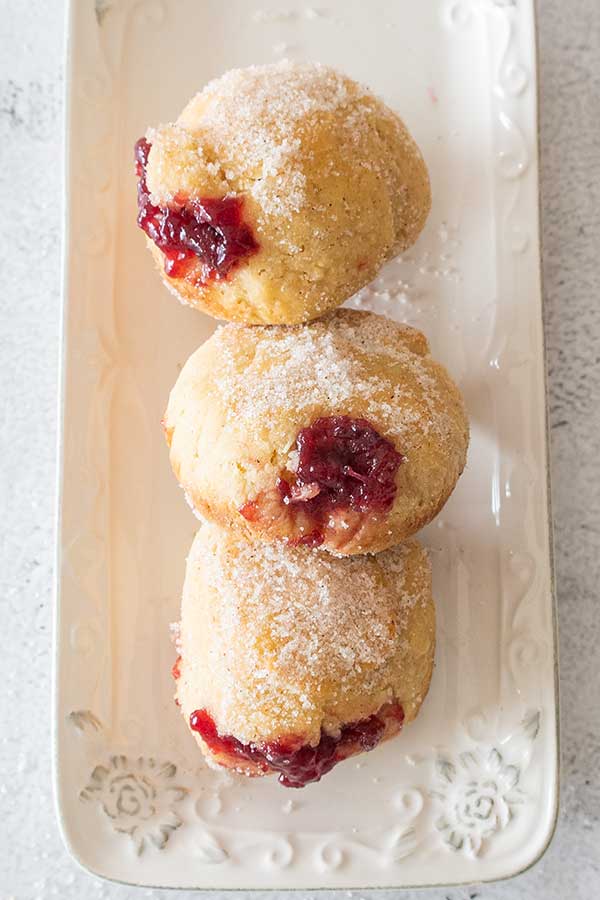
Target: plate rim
66	827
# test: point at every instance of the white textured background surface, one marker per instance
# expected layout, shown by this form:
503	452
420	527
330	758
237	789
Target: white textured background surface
33	863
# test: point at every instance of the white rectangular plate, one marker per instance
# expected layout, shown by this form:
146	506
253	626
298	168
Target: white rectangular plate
469	792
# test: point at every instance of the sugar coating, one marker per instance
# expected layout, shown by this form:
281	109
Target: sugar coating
281	641
275	106
323	364
332	183
238	405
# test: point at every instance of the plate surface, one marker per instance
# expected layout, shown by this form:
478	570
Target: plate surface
468	792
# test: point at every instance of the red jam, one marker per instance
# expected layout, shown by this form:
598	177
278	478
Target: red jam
176	668
250	511
210	229
298	764
343	463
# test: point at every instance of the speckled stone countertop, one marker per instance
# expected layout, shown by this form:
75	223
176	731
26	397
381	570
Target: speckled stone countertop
33	862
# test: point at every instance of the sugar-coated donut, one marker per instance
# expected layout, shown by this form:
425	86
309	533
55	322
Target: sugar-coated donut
292	660
278	193
342	432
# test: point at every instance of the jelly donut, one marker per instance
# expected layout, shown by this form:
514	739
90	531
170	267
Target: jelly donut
279	192
342	432
293	660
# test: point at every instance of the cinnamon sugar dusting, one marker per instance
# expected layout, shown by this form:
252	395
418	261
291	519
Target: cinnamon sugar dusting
248	128
324	365
292	626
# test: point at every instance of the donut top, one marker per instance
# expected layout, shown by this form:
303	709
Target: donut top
316	620
321	366
243	402
293	638
246	130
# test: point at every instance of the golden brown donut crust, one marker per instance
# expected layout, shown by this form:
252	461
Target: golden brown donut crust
332	182
237	407
277	641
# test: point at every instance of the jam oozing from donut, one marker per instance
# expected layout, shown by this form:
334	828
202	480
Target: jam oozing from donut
296	762
209	229
176	668
342	463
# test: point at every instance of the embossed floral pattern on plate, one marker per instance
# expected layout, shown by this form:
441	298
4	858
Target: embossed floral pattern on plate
139	797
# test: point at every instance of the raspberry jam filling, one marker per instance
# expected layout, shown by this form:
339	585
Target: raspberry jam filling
209	229
343	463
298	764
